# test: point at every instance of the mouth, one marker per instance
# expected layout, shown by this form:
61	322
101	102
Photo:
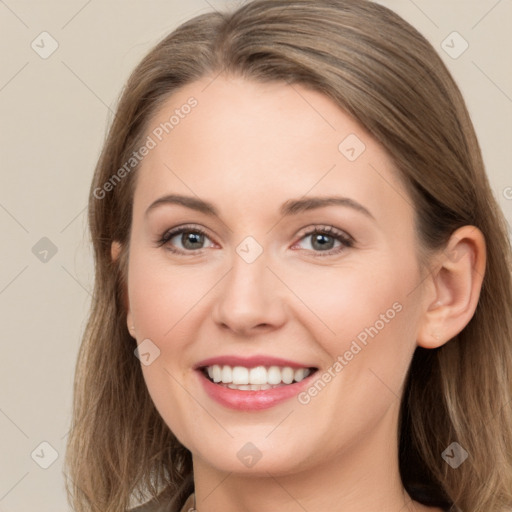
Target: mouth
257	378
253	383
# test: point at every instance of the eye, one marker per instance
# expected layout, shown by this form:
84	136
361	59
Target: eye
323	239
191	239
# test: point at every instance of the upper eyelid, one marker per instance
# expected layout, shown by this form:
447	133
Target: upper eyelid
324	228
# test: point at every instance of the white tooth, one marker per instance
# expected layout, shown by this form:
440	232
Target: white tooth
232	386
244	387
274	375
287	375
240	375
307	372
258	375
227	374
265	386
299	374
217	373
210	372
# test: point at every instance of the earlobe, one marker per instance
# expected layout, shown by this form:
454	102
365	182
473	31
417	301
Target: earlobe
456	283
129	323
115	250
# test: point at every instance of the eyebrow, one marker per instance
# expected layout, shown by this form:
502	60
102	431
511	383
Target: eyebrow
288	208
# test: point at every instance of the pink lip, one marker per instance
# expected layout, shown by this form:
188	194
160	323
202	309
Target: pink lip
251	400
250	362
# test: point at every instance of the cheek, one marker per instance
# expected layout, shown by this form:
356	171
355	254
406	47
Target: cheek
338	304
365	321
373	321
161	302
161	295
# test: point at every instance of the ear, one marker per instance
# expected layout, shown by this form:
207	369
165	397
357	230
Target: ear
115	251
453	288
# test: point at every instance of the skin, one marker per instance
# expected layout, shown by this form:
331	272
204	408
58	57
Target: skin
248	147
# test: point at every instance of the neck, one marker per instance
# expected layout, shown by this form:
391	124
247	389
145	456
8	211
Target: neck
364	477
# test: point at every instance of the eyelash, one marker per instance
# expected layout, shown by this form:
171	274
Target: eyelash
346	240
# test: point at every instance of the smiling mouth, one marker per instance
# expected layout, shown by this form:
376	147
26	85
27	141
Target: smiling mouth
257	378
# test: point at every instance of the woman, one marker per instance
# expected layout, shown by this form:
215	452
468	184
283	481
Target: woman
233	359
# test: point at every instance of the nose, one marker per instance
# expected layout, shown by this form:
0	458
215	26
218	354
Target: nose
250	299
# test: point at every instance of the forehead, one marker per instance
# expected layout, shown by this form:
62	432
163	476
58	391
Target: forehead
241	143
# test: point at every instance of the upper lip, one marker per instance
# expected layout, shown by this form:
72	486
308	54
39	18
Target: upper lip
250	362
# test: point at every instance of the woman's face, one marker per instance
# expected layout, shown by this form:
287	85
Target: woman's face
258	290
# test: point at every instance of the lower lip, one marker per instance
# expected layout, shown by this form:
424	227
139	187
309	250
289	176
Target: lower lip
252	400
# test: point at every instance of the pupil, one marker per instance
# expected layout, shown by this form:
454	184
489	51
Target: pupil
190	237
318	238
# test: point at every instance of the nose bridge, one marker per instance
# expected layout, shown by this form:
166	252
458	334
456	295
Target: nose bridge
248	298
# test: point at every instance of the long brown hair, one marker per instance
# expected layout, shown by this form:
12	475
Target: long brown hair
380	70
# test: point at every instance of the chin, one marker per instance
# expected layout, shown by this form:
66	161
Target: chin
255	458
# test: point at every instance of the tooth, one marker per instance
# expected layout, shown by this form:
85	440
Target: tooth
287	375
217	373
258	375
274	375
240	375
255	378
299	374
244	387
227	374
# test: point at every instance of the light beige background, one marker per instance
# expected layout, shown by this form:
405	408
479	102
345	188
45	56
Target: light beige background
54	114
